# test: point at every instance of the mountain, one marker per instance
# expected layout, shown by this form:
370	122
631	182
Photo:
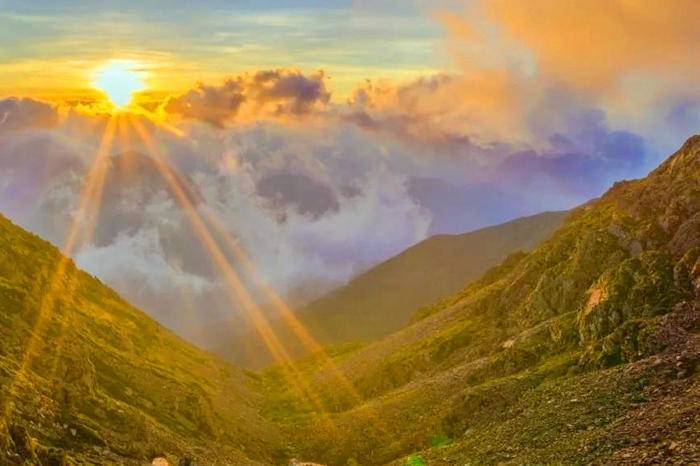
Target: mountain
382	299
86	377
584	350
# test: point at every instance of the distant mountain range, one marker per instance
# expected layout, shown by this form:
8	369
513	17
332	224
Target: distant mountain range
383	299
583	350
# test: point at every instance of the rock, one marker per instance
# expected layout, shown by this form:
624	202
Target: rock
687	236
53	457
295	462
22	442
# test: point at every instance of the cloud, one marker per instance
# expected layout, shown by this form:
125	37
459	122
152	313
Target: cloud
212	104
265	94
427	108
310	205
290	92
306	195
456	208
23	113
631	60
316	190
502	135
587	44
684	113
139	263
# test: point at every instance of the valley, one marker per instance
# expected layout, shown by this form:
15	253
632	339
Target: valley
584	349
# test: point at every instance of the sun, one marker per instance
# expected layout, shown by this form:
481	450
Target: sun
120	79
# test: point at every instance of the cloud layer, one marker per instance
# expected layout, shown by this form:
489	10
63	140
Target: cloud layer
316	190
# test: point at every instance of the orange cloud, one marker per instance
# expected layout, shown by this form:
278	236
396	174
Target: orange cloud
481	105
593	43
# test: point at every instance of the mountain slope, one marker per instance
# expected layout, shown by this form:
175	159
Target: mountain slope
87	376
586	349
382	299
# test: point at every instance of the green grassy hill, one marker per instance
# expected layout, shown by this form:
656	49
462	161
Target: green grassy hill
383	299
104	383
586	349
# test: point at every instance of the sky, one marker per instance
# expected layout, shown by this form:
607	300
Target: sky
325	136
51	47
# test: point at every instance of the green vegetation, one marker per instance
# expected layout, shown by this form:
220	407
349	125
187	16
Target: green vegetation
544	357
415	460
383	299
583	350
104	380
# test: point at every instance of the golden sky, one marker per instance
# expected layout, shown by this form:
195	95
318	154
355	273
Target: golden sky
53	49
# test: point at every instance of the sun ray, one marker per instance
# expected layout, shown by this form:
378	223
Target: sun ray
290	319
206	218
200	229
235	287
287	314
93	181
284	310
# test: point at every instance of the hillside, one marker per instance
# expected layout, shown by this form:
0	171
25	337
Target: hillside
84	376
585	350
382	299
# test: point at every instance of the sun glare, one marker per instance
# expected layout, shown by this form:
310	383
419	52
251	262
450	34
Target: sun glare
120	79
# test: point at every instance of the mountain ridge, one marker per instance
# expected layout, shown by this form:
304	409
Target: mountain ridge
584	350
545	357
382	299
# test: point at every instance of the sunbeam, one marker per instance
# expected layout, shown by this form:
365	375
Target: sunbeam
87	200
237	292
207	217
284	310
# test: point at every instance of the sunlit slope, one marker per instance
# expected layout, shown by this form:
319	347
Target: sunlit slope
382	299
584	350
104	381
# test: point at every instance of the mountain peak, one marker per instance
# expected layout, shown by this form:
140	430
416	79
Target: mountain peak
687	156
693	142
